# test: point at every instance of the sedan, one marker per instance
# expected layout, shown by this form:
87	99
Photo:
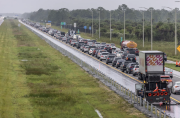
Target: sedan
119	62
103	56
91	51
115	61
176	87
169	72
135	70
85	49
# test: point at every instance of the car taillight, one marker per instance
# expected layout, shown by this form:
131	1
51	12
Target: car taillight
126	58
117	63
107	58
101	56
131	67
135	58
135	68
176	86
105	48
170	72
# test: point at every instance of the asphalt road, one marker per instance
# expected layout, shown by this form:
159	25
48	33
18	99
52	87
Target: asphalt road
124	79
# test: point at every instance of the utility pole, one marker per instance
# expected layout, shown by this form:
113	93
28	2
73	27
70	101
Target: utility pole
143	29
151	31
175	32
92	23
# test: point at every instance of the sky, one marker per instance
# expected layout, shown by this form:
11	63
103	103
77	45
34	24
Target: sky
22	6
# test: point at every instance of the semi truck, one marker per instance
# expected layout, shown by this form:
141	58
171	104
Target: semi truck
151	67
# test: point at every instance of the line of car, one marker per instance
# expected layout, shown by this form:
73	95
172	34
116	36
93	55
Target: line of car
124	59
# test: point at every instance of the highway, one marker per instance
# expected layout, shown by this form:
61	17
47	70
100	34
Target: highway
126	80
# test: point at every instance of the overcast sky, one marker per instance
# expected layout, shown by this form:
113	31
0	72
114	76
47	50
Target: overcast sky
21	6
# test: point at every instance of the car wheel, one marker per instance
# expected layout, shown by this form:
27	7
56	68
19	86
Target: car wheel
100	59
129	72
112	65
116	66
106	62
126	71
133	74
122	70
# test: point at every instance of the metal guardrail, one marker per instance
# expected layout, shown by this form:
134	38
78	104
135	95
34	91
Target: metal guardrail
113	85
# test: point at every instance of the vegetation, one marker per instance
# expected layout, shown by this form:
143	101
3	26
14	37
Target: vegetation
38	81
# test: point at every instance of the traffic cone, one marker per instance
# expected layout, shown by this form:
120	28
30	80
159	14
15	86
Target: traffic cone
176	63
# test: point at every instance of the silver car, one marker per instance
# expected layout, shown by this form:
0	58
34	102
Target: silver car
169	72
135	70
85	49
176	87
119	53
91	51
103	55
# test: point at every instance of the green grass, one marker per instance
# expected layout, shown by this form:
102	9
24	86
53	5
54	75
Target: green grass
48	84
172	66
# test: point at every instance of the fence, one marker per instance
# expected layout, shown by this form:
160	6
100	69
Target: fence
132	98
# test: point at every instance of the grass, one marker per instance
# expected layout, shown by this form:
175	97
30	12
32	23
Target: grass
172	66
38	81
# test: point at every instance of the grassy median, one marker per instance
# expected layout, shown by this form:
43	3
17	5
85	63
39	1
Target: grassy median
38	81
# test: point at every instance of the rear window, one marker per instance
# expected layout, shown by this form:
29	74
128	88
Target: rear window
117	59
111	56
104	53
92	46
178	84
103	43
81	42
130	56
137	66
112	45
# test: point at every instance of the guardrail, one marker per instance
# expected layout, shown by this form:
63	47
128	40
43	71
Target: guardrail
130	96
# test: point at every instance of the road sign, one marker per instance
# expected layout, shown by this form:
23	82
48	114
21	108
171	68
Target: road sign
63	23
48	25
85	27
121	39
89	28
74	24
61	27
49	21
178	48
78	30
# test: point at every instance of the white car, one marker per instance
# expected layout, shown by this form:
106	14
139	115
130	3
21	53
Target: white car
119	53
176	87
91	51
135	70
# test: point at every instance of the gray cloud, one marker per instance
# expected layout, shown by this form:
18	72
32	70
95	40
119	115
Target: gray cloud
21	6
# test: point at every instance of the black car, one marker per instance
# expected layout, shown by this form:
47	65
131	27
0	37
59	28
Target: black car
131	57
115	61
119	62
110	58
129	67
124	54
108	48
124	64
130	50
79	45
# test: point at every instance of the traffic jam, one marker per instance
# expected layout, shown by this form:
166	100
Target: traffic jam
148	66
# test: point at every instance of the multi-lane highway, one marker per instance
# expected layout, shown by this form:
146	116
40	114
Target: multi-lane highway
126	80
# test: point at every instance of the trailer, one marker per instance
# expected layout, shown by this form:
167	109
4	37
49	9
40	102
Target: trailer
151	67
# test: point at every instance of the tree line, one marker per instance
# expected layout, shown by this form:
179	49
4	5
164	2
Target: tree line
163	20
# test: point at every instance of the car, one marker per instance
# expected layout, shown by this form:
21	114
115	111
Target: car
136	52
124	54
113	46
103	56
131	57
94	51
83	46
165	57
176	87
73	43
85	49
108	48
169	72
91	51
99	52
79	45
129	67
135	70
130	50
115	61
60	37
97	44
119	62
110	58
91	47
119	53
124	64
64	39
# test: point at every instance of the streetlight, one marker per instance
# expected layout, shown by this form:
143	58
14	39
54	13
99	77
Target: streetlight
110	25
151	29
124	25
143	27
99	24
92	23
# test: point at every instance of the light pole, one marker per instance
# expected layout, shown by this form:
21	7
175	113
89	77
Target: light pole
143	27
99	25
151	29
110	25
124	25
92	23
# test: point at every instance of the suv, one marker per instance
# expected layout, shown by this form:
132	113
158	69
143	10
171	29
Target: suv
91	47
130	50
129	67
103	55
110	58
124	54
115	61
131	57
124	64
99	52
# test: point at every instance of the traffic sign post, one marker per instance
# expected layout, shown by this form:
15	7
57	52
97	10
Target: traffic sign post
90	29
85	28
178	48
78	30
